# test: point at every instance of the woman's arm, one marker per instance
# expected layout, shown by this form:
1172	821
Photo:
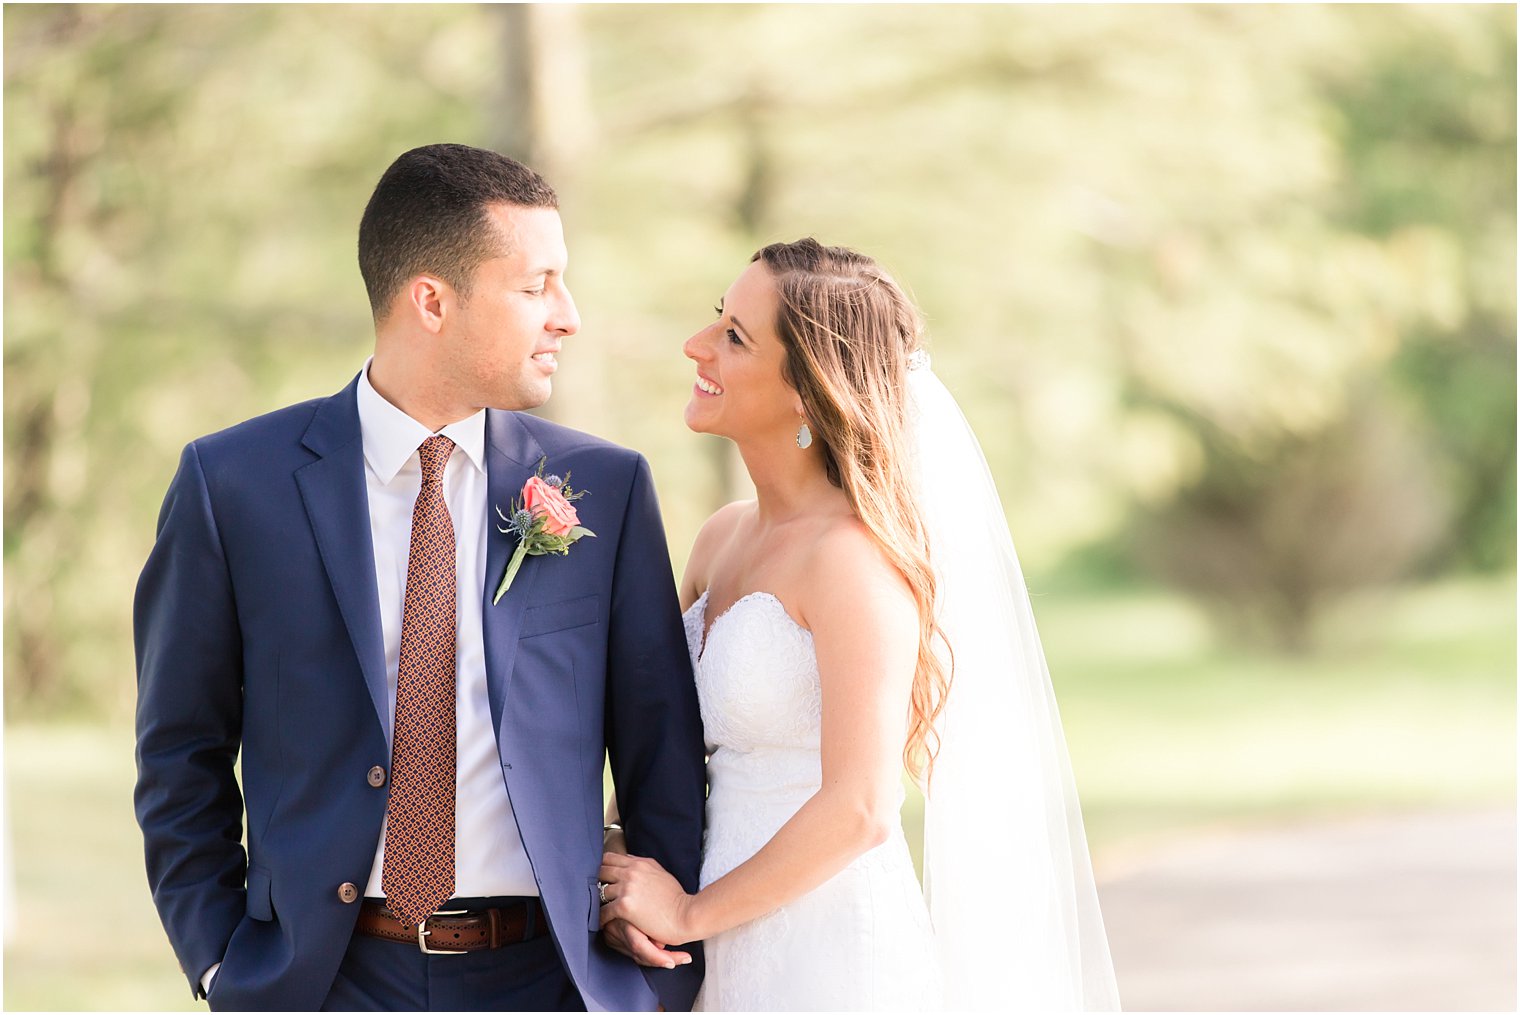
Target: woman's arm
865	633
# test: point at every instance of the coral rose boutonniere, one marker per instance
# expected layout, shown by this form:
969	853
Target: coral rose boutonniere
544	520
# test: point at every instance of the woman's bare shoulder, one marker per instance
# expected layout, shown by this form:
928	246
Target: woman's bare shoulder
713	536
847	570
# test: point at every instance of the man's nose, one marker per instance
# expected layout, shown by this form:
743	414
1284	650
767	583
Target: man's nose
566	320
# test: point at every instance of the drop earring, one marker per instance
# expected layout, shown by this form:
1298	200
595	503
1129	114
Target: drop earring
804	436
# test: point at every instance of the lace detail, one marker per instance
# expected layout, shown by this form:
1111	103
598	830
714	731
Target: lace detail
758	683
861	940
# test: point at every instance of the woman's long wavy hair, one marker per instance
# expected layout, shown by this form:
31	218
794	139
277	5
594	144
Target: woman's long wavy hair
849	331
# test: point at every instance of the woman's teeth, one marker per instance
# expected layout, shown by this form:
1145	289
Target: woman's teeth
708	386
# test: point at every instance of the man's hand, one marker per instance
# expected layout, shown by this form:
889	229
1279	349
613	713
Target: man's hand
622	936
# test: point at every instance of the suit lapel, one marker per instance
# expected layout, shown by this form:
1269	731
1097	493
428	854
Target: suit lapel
512	455
337	504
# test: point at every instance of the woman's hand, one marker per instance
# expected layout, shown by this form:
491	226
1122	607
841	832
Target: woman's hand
640	891
622	936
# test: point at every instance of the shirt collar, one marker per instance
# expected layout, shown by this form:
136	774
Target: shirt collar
391	437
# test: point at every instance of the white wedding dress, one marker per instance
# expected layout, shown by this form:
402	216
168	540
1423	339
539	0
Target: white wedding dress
860	941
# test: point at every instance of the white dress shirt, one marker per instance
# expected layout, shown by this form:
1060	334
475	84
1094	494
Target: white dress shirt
489	858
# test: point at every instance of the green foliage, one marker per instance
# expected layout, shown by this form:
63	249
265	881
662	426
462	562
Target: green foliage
1147	240
183	188
1427	127
1265	541
1408	464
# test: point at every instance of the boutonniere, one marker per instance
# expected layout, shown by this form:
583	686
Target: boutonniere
544	521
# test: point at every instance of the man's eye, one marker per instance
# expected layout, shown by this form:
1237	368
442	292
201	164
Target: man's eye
534	292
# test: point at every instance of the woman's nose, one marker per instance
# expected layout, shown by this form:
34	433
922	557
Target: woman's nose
695	347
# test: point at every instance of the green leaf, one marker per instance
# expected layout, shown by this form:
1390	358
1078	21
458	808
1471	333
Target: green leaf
511	572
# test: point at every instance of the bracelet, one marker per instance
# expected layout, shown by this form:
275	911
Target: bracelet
614	827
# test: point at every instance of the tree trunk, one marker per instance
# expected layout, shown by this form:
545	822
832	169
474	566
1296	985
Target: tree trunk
543	116
543	119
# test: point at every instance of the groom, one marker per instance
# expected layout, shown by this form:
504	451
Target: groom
421	765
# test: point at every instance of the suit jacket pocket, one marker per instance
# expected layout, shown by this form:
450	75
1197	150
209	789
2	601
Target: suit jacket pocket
594	920
260	894
549	617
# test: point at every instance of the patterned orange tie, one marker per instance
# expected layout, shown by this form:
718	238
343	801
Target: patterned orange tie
418	875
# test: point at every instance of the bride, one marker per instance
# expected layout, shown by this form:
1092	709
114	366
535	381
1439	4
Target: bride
864	612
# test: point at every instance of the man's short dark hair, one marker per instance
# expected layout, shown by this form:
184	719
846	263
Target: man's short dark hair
428	215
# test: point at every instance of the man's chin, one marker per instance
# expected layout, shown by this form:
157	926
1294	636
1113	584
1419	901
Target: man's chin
520	399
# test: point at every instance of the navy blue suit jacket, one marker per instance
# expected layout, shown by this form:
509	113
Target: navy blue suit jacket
257	627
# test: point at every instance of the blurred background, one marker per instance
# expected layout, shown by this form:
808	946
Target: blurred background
1227	292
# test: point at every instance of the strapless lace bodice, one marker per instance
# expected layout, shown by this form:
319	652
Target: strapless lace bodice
861	940
757	676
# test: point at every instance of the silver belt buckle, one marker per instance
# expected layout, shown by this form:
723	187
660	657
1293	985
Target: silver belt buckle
423	932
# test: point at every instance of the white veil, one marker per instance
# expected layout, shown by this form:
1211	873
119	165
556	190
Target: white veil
1007	874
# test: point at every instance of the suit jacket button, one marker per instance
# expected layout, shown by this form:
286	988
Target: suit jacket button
348	892
377	776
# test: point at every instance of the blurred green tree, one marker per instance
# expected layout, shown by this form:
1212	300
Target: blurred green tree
183	186
1155	246
1427	127
1413	469
1137	239
1266	538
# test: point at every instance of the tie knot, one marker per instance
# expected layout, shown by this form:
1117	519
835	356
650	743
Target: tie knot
434	453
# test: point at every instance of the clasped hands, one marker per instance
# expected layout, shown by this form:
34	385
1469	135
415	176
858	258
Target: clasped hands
644	910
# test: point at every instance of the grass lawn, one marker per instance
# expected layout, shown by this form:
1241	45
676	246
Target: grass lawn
1411	703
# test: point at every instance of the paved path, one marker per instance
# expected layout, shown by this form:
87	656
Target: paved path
1406	913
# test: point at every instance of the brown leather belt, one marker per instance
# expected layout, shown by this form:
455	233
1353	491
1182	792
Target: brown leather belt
452	932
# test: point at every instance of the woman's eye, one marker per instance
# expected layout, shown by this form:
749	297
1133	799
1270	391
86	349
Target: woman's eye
718	309
733	337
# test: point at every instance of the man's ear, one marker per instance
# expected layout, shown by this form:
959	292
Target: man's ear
427	300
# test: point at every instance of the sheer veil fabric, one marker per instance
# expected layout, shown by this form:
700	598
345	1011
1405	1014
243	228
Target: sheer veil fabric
1007	875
